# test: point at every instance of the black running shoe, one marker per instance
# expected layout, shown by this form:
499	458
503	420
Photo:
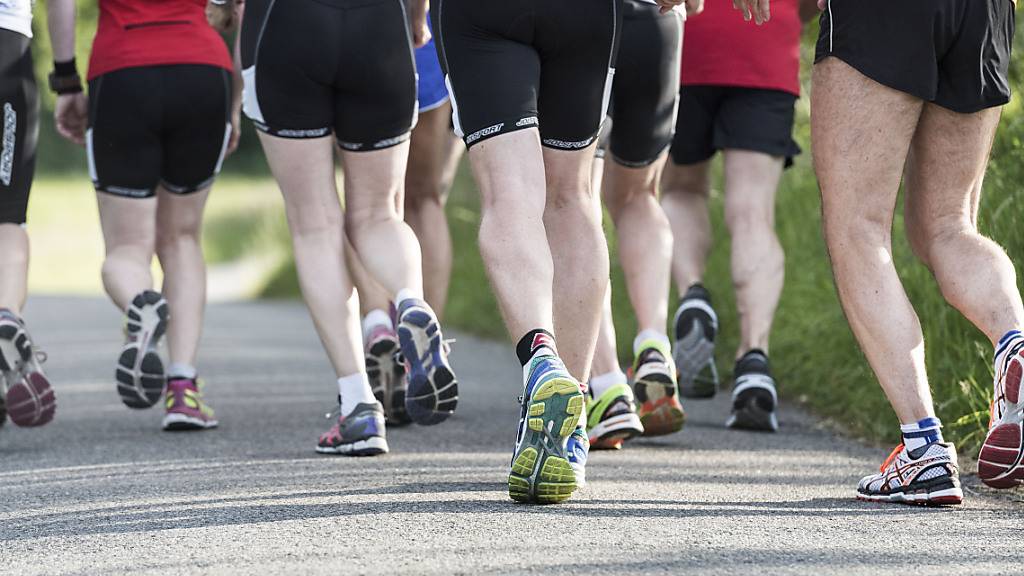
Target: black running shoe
754	398
696	326
140	370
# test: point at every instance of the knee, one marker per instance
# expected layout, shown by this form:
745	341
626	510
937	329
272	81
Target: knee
743	217
175	234
419	196
686	183
930	238
851	232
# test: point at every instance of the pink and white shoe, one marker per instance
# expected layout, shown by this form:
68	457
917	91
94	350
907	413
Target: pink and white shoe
186	409
29	398
387	374
1001	462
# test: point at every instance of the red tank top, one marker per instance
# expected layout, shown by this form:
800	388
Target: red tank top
134	33
720	49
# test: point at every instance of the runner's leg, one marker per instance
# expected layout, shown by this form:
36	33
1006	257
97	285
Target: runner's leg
129	234
684	199
944	172
304	170
179	226
859	156
758	263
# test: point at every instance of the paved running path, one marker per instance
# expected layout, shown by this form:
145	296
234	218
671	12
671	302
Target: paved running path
102	490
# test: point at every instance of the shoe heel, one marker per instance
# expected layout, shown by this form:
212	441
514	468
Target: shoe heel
541	472
1001	462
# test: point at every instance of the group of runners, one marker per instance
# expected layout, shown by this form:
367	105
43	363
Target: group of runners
560	106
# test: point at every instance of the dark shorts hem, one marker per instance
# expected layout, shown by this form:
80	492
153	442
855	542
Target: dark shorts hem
506	127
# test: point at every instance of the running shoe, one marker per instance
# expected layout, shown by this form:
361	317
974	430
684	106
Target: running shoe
140	371
542	469
696	326
754	398
928	476
387	375
654	380
186	409
1001	462
578	448
432	392
361	433
29	400
612	418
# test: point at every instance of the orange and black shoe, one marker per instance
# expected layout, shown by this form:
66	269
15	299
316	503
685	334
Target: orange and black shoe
612	418
654	381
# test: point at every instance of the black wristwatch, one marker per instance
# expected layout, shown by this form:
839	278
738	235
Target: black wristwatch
65	79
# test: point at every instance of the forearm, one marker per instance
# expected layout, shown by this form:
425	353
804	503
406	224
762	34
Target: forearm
61	17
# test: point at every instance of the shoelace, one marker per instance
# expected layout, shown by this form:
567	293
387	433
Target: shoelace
892	456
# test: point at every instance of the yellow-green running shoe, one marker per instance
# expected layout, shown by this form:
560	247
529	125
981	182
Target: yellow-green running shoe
654	380
541	471
612	418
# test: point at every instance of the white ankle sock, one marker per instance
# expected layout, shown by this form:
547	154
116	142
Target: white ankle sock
180	370
921	433
599	384
407	294
354	390
374	319
649	335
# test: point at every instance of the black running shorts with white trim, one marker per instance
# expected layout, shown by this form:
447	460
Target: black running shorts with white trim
517	64
954	53
19	125
150	126
316	67
645	93
713	118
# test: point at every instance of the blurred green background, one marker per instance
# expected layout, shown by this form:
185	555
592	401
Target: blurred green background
816	358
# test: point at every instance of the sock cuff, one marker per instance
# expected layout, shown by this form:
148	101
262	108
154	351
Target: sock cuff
407	294
1006	340
664	345
376	318
532	341
180	370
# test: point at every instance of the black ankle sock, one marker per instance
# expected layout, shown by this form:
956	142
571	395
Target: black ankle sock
697	291
534	339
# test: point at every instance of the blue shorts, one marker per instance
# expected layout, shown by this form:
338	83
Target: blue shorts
432	91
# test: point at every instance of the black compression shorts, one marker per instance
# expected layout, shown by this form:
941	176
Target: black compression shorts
155	126
313	67
19	126
516	64
955	53
713	118
646	88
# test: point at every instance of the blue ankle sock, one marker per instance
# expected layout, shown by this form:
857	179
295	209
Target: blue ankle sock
923	433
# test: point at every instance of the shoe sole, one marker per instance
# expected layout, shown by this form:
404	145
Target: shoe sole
661	413
753	408
391	388
693	359
944	497
611	433
183	422
1001	462
432	390
541	472
141	377
30	401
374	446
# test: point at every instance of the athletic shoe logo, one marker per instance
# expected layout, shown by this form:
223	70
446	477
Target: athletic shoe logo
9	141
542	339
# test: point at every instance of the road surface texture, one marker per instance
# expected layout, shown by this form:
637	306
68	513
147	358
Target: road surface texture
102	490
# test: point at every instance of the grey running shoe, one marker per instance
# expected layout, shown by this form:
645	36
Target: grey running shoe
140	371
696	326
754	398
361	433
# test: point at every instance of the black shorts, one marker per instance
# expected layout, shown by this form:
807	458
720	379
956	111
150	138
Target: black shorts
19	126
713	118
645	93
955	53
516	64
155	126
313	67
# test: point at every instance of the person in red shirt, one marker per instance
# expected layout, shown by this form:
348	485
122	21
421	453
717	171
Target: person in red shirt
160	116
739	87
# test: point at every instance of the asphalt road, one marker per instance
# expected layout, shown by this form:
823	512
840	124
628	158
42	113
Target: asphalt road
102	490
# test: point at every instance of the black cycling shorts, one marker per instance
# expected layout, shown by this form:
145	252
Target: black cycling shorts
19	126
313	67
713	118
955	53
516	64
645	93
155	126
